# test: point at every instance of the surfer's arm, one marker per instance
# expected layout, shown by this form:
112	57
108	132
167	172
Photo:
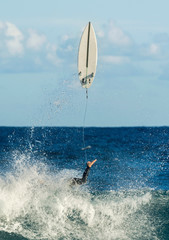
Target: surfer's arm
85	174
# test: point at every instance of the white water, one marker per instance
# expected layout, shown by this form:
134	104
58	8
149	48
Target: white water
39	204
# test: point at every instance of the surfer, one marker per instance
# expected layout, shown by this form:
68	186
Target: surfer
83	180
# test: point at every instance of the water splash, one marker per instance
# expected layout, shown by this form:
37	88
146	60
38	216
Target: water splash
39	204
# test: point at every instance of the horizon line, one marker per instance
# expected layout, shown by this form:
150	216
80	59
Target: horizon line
45	126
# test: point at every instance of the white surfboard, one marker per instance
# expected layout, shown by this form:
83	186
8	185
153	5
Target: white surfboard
87	57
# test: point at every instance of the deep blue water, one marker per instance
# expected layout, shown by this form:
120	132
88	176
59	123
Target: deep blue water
126	196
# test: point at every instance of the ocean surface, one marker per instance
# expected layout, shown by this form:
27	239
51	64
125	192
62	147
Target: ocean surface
126	196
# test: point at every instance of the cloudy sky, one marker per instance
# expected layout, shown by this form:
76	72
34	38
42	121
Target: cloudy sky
39	43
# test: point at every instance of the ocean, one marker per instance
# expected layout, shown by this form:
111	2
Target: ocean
126	196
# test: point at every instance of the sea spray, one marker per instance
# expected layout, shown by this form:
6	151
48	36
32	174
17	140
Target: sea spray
39	204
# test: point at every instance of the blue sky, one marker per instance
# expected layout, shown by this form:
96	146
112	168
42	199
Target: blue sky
39	43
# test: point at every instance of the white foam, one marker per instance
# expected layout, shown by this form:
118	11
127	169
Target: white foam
39	204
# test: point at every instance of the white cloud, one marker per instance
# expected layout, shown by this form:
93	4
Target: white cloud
154	49
117	36
115	59
150	50
65	37
52	56
115	47
13	31
14	39
100	34
53	59
14	46
35	41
